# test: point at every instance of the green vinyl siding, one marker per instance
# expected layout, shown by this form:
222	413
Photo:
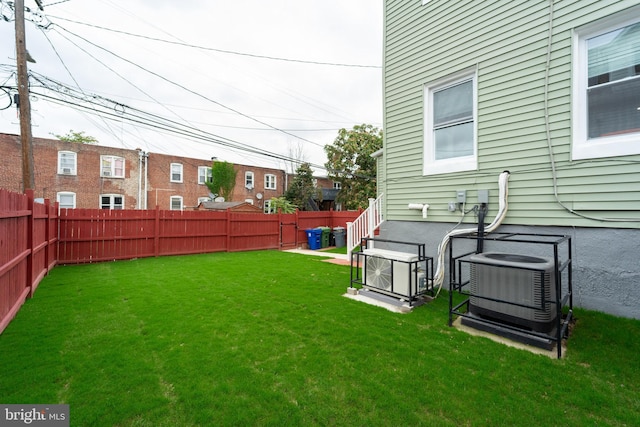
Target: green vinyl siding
506	43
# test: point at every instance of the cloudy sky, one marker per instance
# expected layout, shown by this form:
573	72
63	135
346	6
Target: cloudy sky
203	78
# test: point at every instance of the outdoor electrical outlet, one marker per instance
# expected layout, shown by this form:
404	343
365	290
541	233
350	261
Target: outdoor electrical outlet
452	206
483	196
461	195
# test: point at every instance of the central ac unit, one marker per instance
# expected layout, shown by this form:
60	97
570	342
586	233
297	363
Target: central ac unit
390	272
515	289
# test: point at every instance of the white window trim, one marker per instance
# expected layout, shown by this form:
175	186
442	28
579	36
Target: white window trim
266	182
171	202
456	164
66	193
204	172
267	207
610	146
248	176
171	172
111	201
75	163
113	168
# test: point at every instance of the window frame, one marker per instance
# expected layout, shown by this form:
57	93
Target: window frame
431	166
112	166
171	199
179	166
74	169
205	174
266	208
249	180
267	184
66	193
609	146
112	204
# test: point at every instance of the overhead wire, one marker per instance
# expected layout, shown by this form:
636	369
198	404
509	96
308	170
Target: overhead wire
193	92
285	90
230	52
41	17
134	115
101	114
53	47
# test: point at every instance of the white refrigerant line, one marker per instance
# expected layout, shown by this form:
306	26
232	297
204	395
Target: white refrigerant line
503	205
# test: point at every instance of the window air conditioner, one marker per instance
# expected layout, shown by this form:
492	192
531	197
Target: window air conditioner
66	171
391	272
509	279
106	173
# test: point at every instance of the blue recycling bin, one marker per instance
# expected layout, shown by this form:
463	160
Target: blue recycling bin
314	237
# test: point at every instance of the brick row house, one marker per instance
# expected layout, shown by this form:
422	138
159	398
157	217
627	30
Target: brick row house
94	176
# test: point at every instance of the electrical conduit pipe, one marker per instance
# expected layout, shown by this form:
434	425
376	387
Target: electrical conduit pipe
503	206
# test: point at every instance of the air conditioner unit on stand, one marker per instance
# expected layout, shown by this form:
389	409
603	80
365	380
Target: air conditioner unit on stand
514	289
392	273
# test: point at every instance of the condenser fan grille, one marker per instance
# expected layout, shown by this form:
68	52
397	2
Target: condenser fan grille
379	273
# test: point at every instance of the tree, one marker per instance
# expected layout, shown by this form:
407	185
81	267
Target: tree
302	192
223	179
77	138
281	204
350	163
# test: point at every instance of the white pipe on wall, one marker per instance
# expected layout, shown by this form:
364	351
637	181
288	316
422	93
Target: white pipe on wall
419	206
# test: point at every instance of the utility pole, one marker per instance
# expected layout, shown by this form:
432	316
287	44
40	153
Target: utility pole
26	138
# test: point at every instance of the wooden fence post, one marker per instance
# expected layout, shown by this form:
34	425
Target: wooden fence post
30	244
47	205
156	233
228	225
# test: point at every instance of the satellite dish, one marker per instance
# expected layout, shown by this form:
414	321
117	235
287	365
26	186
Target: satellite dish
212	196
259	196
219	199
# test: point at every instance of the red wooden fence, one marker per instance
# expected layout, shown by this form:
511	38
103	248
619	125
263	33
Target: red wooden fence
28	246
34	237
94	235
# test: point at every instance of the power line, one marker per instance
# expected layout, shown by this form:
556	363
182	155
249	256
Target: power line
230	52
191	91
110	109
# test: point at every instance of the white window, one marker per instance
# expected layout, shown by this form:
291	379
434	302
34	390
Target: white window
267	207
111	201
205	174
203	199
606	87
112	166
67	162
176	172
248	180
66	200
270	182
250	201
176	203
337	185
450	125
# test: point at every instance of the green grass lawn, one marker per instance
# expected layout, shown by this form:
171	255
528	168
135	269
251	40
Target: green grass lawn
266	338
